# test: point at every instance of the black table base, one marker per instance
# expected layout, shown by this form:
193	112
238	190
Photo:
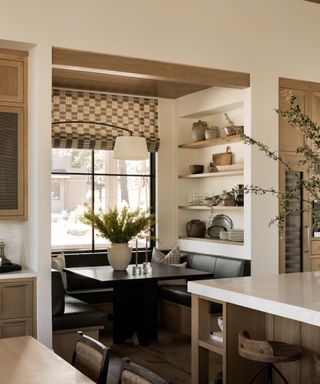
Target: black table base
135	309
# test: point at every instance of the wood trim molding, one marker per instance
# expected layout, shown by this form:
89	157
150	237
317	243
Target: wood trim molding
299	84
151	70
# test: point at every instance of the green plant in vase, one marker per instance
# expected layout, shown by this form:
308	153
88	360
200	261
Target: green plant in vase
119	226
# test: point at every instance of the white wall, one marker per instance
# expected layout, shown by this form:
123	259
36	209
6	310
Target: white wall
267	38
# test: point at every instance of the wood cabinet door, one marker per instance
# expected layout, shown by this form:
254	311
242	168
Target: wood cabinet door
12	163
315	107
16	300
11	81
15	328
289	137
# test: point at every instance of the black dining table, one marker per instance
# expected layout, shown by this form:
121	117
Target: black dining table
135	297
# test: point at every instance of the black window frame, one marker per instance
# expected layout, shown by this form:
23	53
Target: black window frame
91	176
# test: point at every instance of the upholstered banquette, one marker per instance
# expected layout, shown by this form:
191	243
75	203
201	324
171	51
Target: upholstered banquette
219	266
175	300
70	315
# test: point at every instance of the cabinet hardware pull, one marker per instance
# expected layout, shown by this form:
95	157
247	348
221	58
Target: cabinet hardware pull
307	242
14	322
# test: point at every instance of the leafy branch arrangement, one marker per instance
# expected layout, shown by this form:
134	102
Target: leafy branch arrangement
310	157
119	226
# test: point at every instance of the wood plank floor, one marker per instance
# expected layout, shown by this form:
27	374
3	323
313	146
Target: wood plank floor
169	356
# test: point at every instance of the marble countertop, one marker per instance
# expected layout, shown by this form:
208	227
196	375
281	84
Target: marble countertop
24	273
294	295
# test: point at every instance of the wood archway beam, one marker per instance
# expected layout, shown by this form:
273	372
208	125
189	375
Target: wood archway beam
120	66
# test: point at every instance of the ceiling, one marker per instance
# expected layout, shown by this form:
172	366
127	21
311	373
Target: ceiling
118	74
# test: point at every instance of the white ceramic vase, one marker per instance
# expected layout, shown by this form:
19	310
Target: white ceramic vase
119	256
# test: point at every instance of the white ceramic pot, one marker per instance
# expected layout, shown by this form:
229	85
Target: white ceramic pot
119	256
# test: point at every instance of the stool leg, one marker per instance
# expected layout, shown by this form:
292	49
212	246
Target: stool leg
280	374
269	373
257	374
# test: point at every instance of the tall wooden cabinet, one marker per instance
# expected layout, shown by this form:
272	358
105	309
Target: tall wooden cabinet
299	248
13	134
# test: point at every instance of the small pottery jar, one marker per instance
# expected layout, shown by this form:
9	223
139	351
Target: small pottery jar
240	198
198	130
196	228
211	133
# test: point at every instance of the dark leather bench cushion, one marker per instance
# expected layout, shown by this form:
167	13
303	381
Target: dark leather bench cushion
57	293
92	297
78	314
180	295
175	293
228	268
200	262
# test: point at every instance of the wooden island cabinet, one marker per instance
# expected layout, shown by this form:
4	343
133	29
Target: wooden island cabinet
282	307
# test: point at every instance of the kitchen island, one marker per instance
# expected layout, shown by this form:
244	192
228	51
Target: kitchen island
282	307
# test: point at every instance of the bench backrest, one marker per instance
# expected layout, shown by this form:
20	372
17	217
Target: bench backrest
220	266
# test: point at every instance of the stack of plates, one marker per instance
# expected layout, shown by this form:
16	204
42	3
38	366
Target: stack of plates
235	235
224	235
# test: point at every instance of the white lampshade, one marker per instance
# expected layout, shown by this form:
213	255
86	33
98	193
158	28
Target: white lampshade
130	148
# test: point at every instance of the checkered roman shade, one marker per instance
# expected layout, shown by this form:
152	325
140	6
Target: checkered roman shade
138	114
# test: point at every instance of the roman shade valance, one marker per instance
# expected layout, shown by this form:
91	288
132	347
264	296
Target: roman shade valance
139	114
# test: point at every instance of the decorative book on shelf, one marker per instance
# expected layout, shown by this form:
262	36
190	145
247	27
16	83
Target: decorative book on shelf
216	336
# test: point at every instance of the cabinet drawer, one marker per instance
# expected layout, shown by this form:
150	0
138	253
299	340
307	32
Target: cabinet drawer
16	299
15	328
315	247
11	81
315	264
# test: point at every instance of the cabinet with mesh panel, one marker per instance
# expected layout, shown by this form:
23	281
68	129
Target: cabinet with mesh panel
13	135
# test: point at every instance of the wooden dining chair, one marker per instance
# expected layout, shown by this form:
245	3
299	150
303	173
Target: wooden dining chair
132	373
91	358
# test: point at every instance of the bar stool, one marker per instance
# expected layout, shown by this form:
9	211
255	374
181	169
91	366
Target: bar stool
317	368
268	352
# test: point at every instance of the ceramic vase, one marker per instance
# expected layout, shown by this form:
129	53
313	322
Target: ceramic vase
119	256
198	130
196	228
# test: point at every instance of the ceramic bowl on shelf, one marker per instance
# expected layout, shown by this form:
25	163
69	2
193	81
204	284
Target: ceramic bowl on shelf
196	168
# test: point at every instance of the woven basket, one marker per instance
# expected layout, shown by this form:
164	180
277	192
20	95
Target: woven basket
224	158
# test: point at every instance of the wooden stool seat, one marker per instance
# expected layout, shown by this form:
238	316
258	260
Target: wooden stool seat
317	367
268	352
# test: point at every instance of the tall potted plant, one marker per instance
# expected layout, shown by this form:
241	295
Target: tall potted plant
119	226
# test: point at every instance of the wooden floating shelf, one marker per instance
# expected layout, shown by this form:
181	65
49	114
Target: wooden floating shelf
206	239
211	142
212	174
211	345
209	208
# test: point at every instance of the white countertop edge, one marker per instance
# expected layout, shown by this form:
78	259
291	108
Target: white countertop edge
289	311
23	274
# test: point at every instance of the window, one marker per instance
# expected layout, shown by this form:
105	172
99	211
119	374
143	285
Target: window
55	190
95	178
